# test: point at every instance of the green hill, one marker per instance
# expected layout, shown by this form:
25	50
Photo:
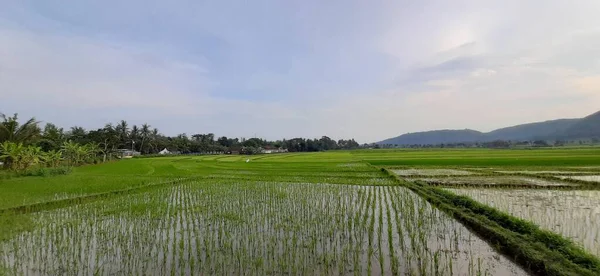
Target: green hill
588	127
532	131
584	128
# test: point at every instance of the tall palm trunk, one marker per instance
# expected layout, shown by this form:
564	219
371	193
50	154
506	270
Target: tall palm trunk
142	145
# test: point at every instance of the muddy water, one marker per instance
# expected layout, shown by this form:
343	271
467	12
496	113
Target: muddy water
255	229
542	172
431	172
573	214
497	180
589	178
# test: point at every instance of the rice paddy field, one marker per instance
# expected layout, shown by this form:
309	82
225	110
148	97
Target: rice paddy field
367	212
575	214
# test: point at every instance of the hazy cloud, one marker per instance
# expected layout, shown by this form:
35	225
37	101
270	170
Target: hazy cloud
368	70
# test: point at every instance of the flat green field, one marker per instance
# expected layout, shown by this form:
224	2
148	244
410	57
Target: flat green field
364	212
483	157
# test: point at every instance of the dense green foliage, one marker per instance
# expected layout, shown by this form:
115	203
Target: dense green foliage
27	160
26	149
13	131
113	138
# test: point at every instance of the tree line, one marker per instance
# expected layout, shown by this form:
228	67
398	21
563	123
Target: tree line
496	144
26	144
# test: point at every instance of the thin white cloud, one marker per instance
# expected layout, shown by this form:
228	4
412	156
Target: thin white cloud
281	69
67	71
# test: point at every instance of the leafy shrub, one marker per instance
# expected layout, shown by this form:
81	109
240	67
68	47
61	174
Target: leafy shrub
47	171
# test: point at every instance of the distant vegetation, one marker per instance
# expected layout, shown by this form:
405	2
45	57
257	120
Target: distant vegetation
26	146
584	129
21	150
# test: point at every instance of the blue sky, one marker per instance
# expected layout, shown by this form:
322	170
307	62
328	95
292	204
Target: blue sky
363	69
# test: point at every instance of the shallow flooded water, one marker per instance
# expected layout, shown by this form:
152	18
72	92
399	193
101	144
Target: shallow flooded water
589	178
253	228
541	172
431	172
497	180
573	214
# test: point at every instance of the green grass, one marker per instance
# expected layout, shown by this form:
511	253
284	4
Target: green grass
30	190
123	188
482	157
124	174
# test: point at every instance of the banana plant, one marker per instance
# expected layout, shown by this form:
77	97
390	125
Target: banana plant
31	156
10	153
71	152
52	158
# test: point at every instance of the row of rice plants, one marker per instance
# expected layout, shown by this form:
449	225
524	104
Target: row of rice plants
573	214
365	181
247	227
542	252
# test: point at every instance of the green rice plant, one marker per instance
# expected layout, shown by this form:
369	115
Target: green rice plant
292	215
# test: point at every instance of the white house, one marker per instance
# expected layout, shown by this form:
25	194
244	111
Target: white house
127	153
269	149
164	151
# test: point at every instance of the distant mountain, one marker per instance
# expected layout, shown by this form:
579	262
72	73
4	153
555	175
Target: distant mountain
588	127
585	128
436	137
532	131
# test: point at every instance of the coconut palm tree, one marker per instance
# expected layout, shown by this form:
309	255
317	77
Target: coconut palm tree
52	137
154	139
134	135
108	140
11	130
78	134
123	130
145	133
